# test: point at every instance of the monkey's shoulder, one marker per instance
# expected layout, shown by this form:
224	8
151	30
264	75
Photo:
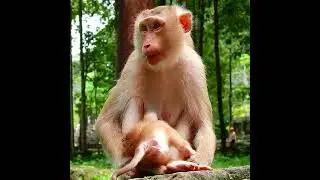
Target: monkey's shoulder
131	66
191	58
192	69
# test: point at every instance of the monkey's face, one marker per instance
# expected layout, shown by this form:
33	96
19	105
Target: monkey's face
159	35
151	29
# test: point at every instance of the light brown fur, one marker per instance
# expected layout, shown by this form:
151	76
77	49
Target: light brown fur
151	144
175	89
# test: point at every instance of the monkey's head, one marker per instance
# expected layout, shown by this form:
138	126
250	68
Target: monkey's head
160	34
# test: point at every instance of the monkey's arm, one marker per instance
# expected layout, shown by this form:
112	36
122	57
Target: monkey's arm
204	139
108	128
205	144
199	111
132	114
120	111
117	117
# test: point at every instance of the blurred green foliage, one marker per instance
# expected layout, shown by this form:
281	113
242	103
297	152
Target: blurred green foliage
100	56
98	166
99	161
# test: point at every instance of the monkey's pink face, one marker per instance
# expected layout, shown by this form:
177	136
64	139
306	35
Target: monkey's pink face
152	46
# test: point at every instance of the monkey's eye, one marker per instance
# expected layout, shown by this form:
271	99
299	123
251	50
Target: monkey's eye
156	25
143	28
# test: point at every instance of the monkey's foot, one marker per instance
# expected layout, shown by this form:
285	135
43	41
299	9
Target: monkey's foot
133	173
183	166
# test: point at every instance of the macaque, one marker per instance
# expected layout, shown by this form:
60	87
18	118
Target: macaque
232	139
163	75
156	147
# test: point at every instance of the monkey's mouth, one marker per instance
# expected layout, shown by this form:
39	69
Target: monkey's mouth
153	58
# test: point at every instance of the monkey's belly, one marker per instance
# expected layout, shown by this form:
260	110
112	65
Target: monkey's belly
162	141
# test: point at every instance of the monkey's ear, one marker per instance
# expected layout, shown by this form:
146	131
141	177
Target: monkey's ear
186	21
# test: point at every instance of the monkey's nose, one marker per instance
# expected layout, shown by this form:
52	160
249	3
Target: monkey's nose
146	46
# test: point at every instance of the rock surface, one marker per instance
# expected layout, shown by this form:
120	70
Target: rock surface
234	173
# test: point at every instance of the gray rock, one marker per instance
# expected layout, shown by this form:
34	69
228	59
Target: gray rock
234	173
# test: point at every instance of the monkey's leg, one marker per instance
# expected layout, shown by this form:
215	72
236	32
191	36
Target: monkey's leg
139	153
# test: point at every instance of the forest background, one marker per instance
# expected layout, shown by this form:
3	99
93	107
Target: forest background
223	41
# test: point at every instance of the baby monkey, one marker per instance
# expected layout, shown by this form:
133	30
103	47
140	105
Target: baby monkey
158	148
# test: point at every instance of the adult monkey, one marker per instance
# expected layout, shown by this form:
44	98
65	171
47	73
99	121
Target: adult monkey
163	75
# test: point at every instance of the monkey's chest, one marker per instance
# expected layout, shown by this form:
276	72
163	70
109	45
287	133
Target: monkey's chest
168	107
163	94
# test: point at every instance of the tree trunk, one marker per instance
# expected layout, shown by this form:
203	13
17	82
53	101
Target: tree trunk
196	22
218	75
189	4
95	111
117	24
201	17
194	25
71	110
162	2
128	9
230	89
95	105
83	116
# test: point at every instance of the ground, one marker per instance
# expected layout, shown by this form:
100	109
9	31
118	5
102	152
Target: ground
98	167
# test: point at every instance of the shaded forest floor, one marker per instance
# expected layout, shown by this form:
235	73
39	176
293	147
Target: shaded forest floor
97	166
98	160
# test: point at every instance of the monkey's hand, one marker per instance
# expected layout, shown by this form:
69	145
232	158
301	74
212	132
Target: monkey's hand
199	158
184	166
195	158
187	152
